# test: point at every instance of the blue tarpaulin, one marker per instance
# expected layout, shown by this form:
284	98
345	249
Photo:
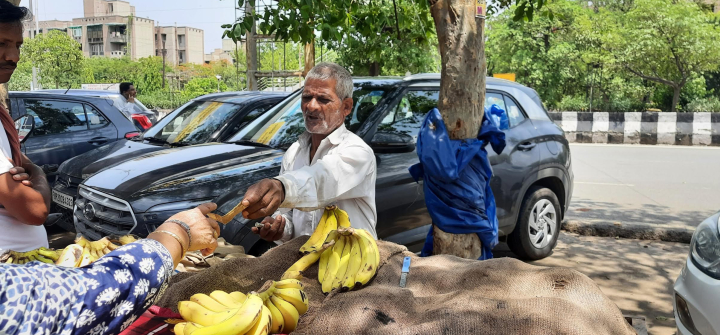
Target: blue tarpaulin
456	176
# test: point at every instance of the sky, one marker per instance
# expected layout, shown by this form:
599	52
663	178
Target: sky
207	15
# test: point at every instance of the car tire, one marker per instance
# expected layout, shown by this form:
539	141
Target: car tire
534	238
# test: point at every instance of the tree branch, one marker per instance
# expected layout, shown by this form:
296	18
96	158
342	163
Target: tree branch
651	78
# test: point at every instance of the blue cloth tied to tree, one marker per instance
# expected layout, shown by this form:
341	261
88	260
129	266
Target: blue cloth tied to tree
456	176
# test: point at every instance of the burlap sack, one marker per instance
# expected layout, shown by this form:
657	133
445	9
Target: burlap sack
444	295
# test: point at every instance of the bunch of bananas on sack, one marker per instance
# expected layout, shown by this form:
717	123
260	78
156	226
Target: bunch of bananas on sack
332	218
352	261
42	254
276	309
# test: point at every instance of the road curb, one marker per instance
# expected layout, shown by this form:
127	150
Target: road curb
629	230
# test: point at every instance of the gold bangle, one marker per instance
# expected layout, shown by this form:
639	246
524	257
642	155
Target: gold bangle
182	247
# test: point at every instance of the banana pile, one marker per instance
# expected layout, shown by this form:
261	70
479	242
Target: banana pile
332	218
43	255
82	253
276	309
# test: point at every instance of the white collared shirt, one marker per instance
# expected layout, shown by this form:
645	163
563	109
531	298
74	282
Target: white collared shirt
342	173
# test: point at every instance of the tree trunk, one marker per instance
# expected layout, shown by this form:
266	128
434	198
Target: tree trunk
251	53
462	93
309	56
676	98
374	69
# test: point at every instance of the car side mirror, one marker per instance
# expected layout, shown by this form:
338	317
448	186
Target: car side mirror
392	143
24	126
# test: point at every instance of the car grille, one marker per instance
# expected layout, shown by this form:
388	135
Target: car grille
105	214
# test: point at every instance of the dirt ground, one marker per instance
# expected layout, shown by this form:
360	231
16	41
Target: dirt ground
638	275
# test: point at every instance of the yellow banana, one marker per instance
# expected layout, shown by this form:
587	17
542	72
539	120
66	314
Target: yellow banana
344	261
194	312
225	299
333	265
127	239
112	246
54	255
289	313
208	302
342	218
100	244
289	283
370	258
294	296
9	260
241	322
86	258
317	236
239	297
296	270
179	328
82	241
263	324
332	237
190	328
373	243
70	255
354	264
278	322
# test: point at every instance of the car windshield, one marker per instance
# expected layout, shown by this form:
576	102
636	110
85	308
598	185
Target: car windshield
281	126
194	123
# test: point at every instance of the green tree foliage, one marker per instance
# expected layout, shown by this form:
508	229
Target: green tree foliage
57	56
146	73
201	86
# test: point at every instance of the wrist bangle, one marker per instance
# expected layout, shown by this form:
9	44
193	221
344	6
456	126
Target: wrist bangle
182	247
184	226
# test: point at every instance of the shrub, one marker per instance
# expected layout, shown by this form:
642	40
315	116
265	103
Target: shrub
711	104
162	100
572	104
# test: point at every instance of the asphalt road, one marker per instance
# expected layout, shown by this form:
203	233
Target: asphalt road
673	186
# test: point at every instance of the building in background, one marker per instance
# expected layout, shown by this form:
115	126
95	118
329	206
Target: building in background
111	28
224	54
181	44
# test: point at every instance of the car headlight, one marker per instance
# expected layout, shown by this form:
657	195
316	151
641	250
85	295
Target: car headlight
705	247
178	206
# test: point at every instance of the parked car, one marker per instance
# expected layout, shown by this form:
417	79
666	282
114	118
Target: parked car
209	118
697	289
68	125
143	117
532	181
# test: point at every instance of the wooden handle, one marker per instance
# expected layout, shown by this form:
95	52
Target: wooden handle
225	219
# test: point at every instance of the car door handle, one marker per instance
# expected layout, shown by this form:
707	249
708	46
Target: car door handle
526	146
98	140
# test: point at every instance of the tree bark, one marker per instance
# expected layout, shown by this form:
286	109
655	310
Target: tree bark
251	53
676	98
462	93
309	56
374	69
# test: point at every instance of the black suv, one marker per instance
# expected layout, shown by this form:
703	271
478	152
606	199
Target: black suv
532	179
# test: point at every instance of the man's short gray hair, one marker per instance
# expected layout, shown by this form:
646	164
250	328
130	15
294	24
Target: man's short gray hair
343	79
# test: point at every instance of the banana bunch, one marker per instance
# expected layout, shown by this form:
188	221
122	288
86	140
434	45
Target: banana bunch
93	250
276	309
352	261
42	254
332	218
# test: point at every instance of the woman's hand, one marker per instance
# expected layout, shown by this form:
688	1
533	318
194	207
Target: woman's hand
204	231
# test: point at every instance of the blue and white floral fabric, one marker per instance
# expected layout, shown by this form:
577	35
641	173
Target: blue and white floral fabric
102	298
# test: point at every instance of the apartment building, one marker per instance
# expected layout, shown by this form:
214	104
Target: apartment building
225	53
111	28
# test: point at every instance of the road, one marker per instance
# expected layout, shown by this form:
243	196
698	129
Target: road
674	186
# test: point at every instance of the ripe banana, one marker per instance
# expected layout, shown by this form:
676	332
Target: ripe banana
278	321
241	322
342	218
295	297
225	299
208	302
344	261
317	236
295	271
86	258
190	328
179	328
322	268
194	312
239	297
127	239
370	258
289	313
263	324
70	255
333	265
289	283
354	264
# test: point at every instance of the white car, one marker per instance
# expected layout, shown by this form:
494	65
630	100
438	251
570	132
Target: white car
697	290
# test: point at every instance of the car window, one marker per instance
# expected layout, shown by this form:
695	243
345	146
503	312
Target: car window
515	115
56	117
95	119
495	99
408	115
281	126
249	117
195	123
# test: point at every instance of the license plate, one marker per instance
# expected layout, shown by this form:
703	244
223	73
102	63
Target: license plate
63	199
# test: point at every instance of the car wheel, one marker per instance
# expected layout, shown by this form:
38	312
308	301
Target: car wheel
538	226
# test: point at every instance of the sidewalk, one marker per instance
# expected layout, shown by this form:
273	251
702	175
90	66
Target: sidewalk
638	275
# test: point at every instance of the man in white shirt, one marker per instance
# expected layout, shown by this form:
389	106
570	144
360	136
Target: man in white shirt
24	191
328	165
128	92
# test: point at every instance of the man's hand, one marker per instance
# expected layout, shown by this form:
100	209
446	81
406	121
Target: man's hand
263	199
19	174
273	229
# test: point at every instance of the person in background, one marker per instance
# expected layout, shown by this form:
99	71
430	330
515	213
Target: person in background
128	92
328	165
24	190
107	296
